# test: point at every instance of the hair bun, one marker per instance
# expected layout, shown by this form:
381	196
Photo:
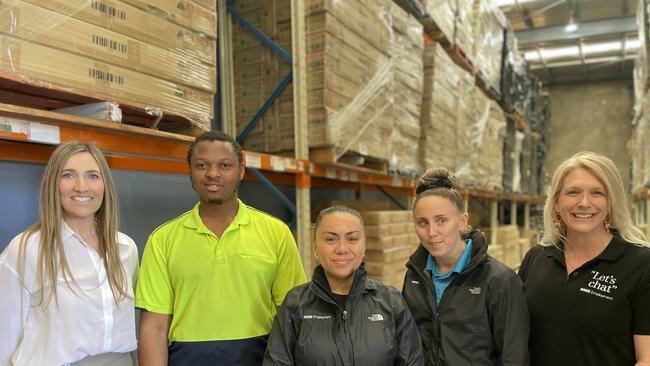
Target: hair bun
434	178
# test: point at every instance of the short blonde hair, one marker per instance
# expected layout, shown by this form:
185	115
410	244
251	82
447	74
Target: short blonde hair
605	170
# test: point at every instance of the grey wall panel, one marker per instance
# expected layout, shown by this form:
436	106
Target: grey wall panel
146	199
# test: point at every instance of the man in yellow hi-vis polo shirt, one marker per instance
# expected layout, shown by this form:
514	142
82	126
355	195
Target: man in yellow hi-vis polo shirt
211	279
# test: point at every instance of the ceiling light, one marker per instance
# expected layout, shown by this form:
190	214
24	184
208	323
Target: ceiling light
531	55
589	49
632	44
550	53
571	27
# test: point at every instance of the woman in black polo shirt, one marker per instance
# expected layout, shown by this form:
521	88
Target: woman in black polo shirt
588	284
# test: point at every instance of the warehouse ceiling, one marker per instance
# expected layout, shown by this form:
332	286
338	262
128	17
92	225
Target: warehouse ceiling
569	41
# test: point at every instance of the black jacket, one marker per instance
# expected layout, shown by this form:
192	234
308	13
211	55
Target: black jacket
482	317
375	328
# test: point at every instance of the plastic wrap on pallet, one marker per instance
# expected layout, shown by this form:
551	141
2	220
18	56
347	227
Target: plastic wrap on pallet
639	149
136	23
508	156
187	13
17	18
439	107
515	160
443	14
82	73
349	75
515	76
464	28
641	62
481	136
406	51
488	33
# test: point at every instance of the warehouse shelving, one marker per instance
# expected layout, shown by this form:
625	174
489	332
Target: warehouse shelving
29	135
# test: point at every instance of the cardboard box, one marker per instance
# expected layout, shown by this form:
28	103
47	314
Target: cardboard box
390	255
70	70
17	18
182	12
133	22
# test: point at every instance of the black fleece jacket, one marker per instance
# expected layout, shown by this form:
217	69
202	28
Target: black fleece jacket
482	318
373	328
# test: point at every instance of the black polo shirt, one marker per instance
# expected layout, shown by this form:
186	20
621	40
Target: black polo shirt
588	317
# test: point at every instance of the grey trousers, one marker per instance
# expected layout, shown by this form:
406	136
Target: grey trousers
109	359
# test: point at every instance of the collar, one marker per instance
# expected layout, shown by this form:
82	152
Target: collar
194	219
613	251
67	233
360	284
461	263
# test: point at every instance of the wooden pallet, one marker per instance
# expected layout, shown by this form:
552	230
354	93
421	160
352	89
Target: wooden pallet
25	92
349	160
433	33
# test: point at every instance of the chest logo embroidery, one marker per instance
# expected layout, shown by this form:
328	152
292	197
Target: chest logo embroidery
317	317
475	290
376	318
601	285
415	282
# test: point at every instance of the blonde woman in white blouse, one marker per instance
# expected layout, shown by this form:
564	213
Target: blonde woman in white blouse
66	283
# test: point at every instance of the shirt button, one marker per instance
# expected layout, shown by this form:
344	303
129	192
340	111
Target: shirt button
575	274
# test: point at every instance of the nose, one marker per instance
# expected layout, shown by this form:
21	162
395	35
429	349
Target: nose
213	171
342	247
584	200
80	184
431	231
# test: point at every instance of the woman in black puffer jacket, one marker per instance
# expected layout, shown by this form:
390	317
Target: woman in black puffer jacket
341	317
469	307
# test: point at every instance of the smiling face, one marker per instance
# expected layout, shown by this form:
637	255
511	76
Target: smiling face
438	225
215	172
582	203
340	245
81	187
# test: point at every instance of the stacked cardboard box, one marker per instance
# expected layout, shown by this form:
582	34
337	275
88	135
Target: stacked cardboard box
464	25
481	134
407	48
639	150
508	246
390	241
489	23
349	74
642	60
114	49
439	109
443	14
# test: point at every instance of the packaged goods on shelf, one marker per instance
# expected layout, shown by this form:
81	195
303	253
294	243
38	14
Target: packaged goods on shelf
642	60
512	177
85	74
390	241
183	12
489	23
639	150
19	19
350	76
136	23
442	13
515	76
407	48
464	28
508	245
209	4
481	139
439	109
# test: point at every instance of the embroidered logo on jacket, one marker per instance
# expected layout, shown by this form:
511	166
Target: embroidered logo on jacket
475	290
601	285
376	317
415	282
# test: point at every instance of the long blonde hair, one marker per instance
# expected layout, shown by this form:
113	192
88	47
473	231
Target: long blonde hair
51	255
605	170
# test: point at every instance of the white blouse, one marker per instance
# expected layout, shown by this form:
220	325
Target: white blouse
85	323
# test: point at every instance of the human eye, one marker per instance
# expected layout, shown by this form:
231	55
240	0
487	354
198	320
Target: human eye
353	238
421	223
67	175
200	165
94	176
226	165
441	220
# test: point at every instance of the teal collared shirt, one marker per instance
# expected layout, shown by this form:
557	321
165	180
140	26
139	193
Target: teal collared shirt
442	281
